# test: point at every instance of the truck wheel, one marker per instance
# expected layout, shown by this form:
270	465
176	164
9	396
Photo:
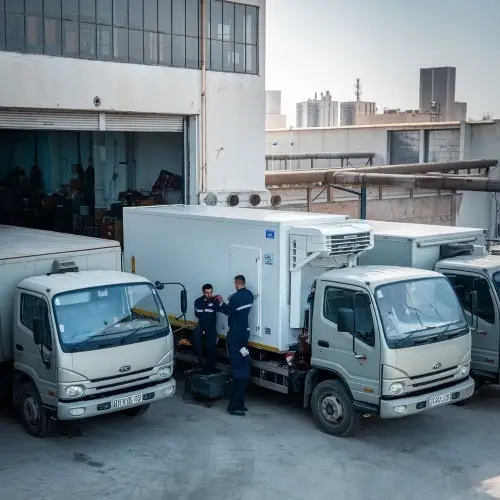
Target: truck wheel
34	418
136	411
333	409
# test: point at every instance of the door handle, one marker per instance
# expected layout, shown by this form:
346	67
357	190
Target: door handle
481	332
19	347
323	343
360	356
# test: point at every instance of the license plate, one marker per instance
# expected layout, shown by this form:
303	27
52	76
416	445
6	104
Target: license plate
129	400
439	400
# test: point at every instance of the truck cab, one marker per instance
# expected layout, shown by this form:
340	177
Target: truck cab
396	339
476	281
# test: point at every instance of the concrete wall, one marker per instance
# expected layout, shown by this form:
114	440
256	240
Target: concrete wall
235	103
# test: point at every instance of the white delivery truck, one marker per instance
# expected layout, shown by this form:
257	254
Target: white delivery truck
78	337
319	325
460	254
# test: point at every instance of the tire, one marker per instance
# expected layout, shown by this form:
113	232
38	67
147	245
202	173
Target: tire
136	411
34	418
333	409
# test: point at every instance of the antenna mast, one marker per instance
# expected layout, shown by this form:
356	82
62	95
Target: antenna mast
357	92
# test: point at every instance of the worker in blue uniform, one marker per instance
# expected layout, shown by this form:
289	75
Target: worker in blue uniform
205	309
237	309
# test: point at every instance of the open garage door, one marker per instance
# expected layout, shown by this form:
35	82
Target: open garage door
131	122
14	119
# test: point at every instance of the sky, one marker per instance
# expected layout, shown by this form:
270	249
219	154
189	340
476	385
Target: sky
318	45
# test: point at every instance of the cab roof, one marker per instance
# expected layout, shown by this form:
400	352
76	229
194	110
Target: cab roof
377	275
54	284
488	262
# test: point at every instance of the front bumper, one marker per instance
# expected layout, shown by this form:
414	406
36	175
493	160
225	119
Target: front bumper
393	408
74	410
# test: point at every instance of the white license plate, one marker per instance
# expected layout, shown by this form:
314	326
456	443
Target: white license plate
129	400
439	400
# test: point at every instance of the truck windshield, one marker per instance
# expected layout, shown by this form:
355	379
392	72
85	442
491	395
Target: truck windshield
496	281
96	318
417	310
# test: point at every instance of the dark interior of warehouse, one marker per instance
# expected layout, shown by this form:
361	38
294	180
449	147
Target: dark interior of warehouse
79	182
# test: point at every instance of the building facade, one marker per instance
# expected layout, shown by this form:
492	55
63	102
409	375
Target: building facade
351	110
399	144
318	112
124	79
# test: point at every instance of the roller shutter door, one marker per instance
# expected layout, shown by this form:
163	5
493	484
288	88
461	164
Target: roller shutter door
48	120
132	122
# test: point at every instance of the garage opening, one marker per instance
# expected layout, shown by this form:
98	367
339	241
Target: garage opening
74	172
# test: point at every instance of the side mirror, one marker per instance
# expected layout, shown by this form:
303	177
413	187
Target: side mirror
184	302
159	285
37	330
345	320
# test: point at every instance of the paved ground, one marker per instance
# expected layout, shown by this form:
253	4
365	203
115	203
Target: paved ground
181	451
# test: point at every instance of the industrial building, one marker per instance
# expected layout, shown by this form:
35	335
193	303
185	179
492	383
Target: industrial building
437	94
396	144
318	112
109	102
350	111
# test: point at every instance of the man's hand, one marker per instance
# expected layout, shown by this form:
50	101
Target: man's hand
219	299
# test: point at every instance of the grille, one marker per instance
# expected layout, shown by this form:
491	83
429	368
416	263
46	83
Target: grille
346	244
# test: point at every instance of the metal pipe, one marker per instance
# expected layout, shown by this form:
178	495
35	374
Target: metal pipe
421	168
203	110
279	178
321	156
445	183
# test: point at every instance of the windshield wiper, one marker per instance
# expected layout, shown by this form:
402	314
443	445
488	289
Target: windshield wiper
104	333
133	332
425	328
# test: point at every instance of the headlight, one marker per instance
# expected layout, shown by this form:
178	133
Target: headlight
75	391
165	372
464	370
396	388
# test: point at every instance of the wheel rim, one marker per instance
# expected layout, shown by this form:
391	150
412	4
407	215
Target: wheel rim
31	411
332	409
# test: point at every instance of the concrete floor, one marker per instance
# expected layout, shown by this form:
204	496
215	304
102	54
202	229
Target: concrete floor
182	451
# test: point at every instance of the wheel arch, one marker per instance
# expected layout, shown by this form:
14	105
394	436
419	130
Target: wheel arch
314	377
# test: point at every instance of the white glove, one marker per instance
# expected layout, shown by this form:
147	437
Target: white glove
244	351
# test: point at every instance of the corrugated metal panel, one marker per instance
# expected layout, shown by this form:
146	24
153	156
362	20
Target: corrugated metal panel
48	120
132	122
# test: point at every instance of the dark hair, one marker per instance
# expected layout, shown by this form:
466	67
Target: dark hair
240	278
207	286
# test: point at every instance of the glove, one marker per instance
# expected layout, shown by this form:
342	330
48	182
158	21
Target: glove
219	299
244	351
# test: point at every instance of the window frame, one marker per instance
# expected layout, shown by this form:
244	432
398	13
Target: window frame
450	274
37	302
231	51
351	299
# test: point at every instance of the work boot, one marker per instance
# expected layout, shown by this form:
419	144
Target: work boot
237	413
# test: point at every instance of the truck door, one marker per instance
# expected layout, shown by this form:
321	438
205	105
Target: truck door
38	361
485	338
333	350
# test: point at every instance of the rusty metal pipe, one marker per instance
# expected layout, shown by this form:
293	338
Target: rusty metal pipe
445	183
422	168
295	177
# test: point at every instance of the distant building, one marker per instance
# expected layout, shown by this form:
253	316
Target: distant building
390	116
350	111
274	119
322	112
460	111
437	92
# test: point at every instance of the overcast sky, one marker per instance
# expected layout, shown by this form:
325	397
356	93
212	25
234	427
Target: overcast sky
318	45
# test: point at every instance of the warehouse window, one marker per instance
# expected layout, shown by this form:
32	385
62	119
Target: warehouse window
404	147
442	146
153	32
